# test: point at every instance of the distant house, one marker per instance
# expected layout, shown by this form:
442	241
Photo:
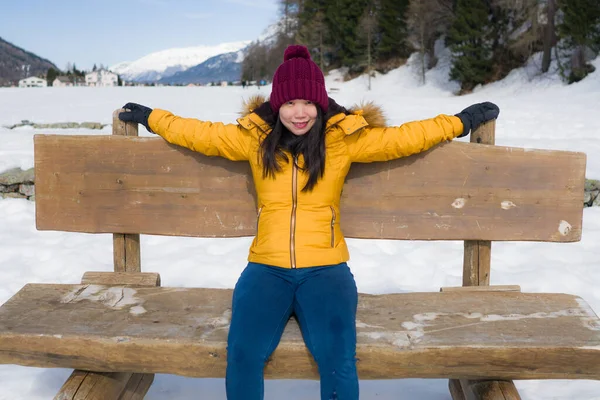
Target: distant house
33	81
62	81
101	77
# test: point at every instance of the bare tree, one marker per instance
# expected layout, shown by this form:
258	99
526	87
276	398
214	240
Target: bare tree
524	32
427	20
549	34
289	11
368	24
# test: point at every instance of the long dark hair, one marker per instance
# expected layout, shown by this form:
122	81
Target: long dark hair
311	146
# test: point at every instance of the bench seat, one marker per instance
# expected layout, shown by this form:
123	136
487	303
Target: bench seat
183	331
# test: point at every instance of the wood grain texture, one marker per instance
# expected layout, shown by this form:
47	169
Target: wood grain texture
126	247
127	252
477	262
87	385
121	278
476	335
477	259
137	387
456	391
489	390
495	288
457	191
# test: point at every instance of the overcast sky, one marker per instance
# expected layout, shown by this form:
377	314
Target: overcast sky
107	32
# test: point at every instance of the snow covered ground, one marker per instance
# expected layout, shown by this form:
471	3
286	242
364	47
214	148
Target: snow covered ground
536	112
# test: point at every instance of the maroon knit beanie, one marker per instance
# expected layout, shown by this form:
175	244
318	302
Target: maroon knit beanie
298	78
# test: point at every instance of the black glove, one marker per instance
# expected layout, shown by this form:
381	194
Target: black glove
477	114
137	113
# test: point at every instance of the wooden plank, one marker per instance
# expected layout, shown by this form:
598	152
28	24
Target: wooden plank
85	385
489	390
495	288
121	278
456	191
477	335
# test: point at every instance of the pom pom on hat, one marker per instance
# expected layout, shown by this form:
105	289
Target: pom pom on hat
298	78
296	52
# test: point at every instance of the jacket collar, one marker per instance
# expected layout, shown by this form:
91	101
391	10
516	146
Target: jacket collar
257	113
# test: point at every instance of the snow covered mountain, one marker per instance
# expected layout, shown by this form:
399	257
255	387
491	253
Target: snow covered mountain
166	63
224	67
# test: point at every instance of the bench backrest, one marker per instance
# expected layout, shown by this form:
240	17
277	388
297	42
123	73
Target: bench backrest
456	191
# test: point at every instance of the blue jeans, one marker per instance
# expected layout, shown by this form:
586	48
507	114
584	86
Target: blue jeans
324	300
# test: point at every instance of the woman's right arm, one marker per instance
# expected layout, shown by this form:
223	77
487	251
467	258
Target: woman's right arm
212	139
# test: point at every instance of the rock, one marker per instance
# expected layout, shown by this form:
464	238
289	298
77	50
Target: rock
16	176
57	125
587	198
591	185
27	190
91	125
8	188
12	196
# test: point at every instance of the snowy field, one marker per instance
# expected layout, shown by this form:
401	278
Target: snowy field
536	112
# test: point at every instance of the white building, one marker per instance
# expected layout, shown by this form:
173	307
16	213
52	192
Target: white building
62	81
101	77
33	81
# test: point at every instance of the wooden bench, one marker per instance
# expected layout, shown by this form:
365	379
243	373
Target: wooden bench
118	328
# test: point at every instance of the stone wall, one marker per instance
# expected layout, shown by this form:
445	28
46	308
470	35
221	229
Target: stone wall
16	183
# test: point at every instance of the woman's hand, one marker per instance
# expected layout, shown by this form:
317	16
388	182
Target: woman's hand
475	115
136	113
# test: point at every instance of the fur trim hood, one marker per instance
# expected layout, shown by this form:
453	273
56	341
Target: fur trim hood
372	113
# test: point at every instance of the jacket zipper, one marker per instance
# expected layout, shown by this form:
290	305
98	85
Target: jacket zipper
293	217
332	226
257	221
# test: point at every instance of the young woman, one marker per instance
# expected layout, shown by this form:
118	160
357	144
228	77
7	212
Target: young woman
300	145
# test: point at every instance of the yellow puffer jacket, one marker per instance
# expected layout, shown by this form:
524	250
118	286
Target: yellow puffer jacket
299	229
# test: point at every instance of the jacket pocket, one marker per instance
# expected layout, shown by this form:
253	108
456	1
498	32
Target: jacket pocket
332	226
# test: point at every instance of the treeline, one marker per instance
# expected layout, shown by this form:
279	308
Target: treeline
487	38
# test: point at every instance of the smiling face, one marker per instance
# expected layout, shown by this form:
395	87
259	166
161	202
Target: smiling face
298	116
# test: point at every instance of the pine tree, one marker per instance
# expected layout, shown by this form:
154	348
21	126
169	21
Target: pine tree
343	18
313	32
393	30
470	43
51	75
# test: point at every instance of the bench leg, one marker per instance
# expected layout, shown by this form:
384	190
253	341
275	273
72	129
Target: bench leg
465	389
137	387
86	385
456	390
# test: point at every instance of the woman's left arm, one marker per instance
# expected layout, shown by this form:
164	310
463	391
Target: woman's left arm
388	143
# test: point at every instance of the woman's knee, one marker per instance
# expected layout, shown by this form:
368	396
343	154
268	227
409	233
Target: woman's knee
245	355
